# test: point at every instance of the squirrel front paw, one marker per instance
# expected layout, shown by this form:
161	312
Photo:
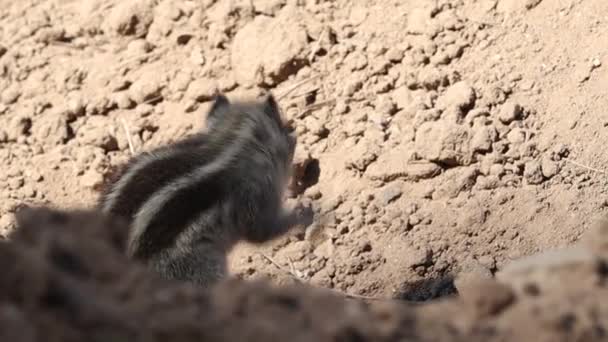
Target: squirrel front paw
304	214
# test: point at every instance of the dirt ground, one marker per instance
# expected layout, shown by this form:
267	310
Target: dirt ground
438	140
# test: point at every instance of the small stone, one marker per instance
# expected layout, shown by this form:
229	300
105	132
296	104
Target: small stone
144	109
145	89
549	167
393	165
123	101
483	138
497	170
418	21
269	50
34	175
75	105
460	96
516	136
509	112
533	173
390	193
91	179
444	143
419	257
10	94
18	126
28	191
403	97
201	90
15	183
130	18
325	249
395	55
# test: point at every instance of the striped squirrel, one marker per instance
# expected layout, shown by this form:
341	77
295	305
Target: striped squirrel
188	203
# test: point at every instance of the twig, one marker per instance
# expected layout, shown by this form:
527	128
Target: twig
128	134
298	85
316	106
293	273
313	51
584	166
277	265
139	57
154	99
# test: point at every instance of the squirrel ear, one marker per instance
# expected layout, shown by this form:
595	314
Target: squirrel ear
271	108
218	109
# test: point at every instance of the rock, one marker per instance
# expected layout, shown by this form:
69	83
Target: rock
395	55
482	139
533	173
91	179
10	94
201	90
456	181
130	18
269	50
395	165
75	105
51	129
419	257
402	97
443	142
509	112
325	249
460	96
418	21
146	88
7	224
362	155
549	167
390	193
122	100
18	126
516	136
98	131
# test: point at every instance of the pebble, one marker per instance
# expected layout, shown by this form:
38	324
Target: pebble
516	136
390	193
10	94
533	173
509	112
91	179
549	167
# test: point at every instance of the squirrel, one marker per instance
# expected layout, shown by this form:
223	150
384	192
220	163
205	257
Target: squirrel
188	203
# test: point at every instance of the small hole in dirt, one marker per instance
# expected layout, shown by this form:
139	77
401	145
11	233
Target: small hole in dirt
311	174
310	98
321	52
183	39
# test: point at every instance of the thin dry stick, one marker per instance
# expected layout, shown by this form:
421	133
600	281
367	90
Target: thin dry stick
293	273
316	106
304	93
298	85
584	166
128	134
281	268
317	45
139	57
